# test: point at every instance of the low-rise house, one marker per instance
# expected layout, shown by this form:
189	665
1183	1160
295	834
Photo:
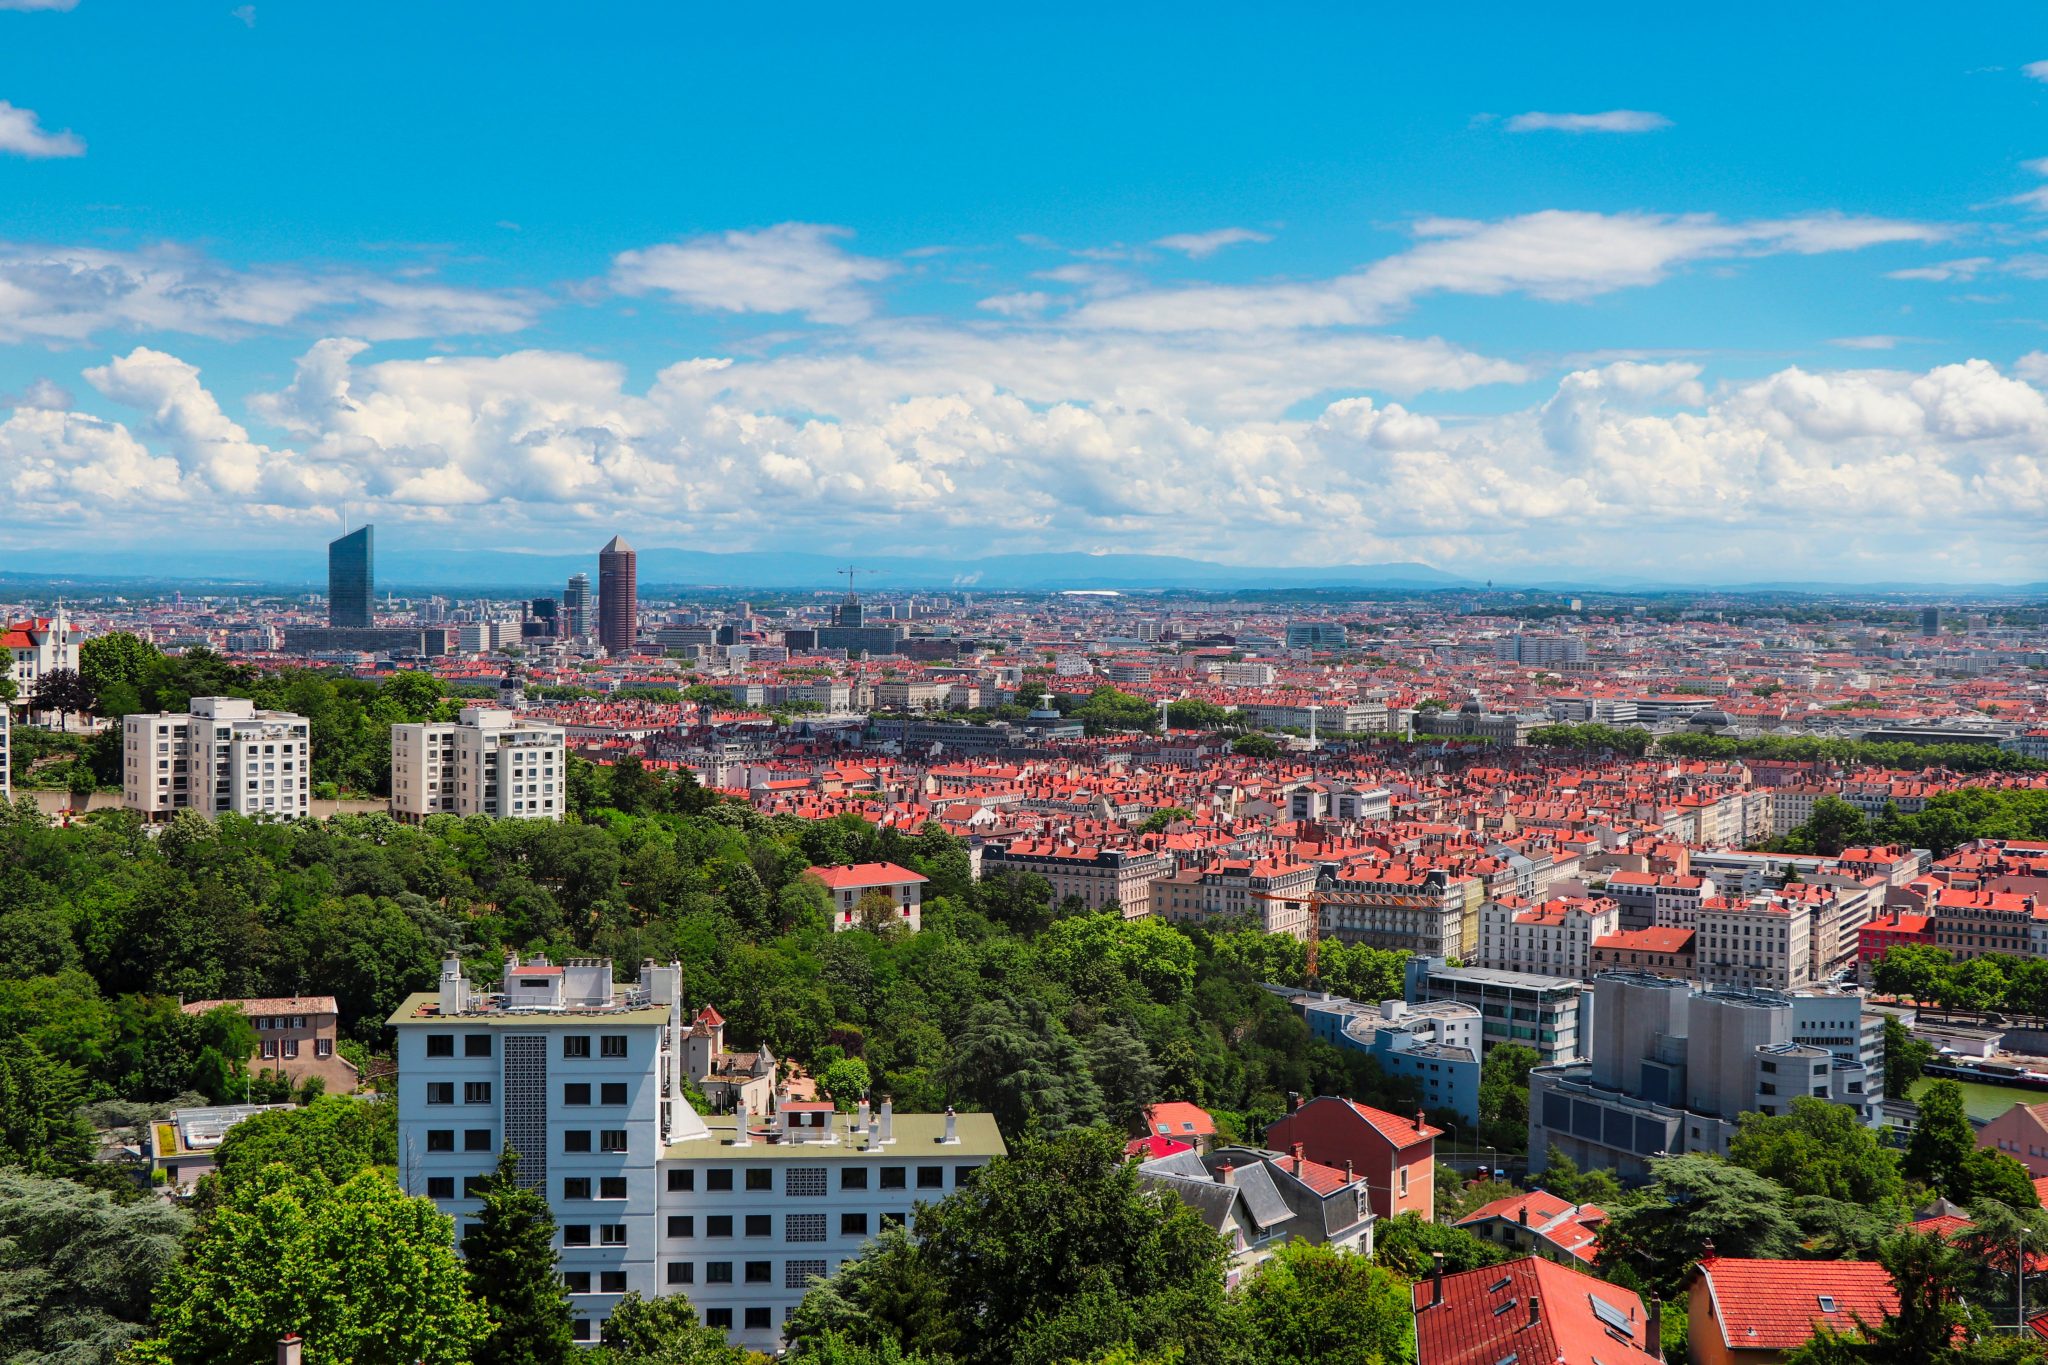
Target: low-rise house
1181	1122
1532	1312
2021	1132
296	1037
1395	1156
726	1079
1259	1198
1753	1312
182	1146
1658	951
849	886
1541	1224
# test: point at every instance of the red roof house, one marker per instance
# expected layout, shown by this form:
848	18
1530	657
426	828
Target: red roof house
1396	1156
1749	1312
1533	1311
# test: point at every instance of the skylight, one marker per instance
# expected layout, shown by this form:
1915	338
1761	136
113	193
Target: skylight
1611	1316
1827	1303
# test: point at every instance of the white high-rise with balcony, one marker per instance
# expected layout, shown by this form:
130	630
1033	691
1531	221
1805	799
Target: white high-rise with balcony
223	755
489	762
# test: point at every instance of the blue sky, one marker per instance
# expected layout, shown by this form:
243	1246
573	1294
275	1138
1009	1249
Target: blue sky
1746	299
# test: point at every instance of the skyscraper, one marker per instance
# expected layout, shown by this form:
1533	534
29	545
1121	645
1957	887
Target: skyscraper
1930	622
351	589
576	607
618	597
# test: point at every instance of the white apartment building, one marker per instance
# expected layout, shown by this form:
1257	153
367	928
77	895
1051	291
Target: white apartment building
488	762
223	755
39	645
1760	942
1554	938
582	1077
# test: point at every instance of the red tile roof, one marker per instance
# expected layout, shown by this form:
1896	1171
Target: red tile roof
1178	1117
1776	1305
865	874
1402	1132
1486	1316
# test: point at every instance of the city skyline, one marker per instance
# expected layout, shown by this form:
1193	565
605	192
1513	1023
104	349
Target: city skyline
1540	310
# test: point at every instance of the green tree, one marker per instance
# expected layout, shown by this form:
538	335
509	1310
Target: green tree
1159	819
40	1130
334	1137
1504	1095
1017	1061
1943	1142
1124	1073
1312	1304
1905	1057
77	1268
1935	1324
361	1272
510	1256
1822	1149
1256	746
844	1082
1833	826
1408	1243
1694	1200
660	1331
63	691
1562	1177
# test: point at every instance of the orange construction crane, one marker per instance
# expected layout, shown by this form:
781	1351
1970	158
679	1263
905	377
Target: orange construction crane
1316	901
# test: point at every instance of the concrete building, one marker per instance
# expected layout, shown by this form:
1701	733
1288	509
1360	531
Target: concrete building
183	1145
223	755
6	754
352	580
576	607
1401	906
1554	937
1097	876
1546	1013
488	762
618	597
1331	799
1316	635
1660	952
1761	942
897	891
1436	1045
1540	651
583	1078
1673	1067
1272	892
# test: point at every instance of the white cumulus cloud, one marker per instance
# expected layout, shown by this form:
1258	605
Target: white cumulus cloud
788	268
22	134
1203	244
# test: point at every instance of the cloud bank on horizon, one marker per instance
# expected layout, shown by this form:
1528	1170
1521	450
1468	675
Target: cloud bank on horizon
1536	378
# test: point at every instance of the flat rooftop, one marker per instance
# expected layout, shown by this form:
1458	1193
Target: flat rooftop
917	1138
1491	976
424	1007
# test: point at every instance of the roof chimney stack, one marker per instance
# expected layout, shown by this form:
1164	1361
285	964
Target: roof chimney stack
1436	1280
1654	1343
740	1136
290	1350
1535	1308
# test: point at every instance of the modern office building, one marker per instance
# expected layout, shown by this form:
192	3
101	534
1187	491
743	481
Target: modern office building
583	1078
543	619
351	580
1434	1045
576	607
489	762
1547	1013
1930	622
222	755
618	597
1673	1067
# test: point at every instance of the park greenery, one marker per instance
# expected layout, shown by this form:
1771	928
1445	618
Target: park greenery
1948	820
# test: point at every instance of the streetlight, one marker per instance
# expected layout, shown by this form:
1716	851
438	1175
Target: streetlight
1490	1168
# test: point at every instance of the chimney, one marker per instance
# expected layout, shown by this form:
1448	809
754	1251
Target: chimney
1522	1214
1535	1308
952	1127
740	1136
1228	1175
1655	1344
1299	1150
290	1350
1349	1174
888	1116
861	1124
1436	1280
1294	1101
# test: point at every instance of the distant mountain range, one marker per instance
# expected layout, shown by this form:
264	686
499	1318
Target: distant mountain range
413	569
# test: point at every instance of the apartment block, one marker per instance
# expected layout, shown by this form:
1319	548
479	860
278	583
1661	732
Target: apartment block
1553	937
583	1077
488	762
1762	942
1272	892
1097	876
223	755
1546	1013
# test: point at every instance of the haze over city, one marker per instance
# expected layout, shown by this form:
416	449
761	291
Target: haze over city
1322	287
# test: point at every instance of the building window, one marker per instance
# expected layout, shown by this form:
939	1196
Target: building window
963	1174
476	1092
476	1044
799	1274
718	1225
611	1140
576	1281
717	1182
440	1139
440	1045
440	1092
612	1281
720	1318
760	1272
612	1045
576	1187
576	1092
718	1272
579	1330
761	1179
803	1227
760	1225
575	1234
612	1234
682	1272
611	1187
804	1182
440	1187
893	1177
576	1140
931	1177
473	1186
681	1181
575	1045
614	1092
682	1225
476	1139
892	1220
757	1319
853	1178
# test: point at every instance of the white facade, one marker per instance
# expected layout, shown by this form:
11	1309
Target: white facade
1762	942
6	755
489	762
581	1077
37	646
1553	939
223	755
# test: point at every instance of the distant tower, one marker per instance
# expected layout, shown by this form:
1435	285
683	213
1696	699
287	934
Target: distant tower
1930	622
576	607
351	587
618	597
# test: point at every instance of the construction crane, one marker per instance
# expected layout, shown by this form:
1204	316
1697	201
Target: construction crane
1316	901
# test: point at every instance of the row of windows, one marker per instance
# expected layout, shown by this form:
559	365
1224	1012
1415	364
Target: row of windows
479	1044
479	1139
810	1180
796	1274
796	1227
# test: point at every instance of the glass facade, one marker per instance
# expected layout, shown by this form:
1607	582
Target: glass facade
351	587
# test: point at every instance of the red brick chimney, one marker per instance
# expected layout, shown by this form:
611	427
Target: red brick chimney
1535	1308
